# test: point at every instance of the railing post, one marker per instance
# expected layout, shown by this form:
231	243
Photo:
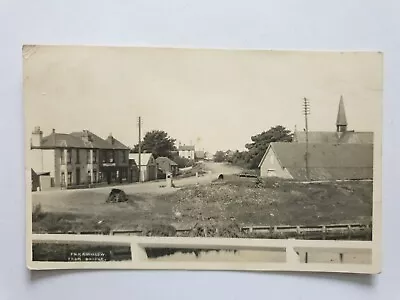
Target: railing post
137	252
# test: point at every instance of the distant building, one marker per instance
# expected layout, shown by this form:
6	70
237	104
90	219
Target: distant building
342	135
326	161
148	165
187	151
79	158
337	155
199	155
166	165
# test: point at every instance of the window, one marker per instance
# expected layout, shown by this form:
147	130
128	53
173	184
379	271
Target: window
110	156
69	177
94	157
62	157
77	156
69	156
89	161
94	176
123	157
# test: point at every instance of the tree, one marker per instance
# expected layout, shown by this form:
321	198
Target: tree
219	156
260	143
157	142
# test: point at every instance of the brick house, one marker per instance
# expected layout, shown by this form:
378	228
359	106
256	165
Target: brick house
79	158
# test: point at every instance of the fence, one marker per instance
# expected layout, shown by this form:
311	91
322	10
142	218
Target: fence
356	231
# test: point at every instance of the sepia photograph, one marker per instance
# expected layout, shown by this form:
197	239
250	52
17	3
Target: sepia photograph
214	159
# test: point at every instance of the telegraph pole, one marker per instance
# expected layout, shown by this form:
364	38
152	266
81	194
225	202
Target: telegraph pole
140	148
306	112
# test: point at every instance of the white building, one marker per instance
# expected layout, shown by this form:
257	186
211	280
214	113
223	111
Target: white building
187	152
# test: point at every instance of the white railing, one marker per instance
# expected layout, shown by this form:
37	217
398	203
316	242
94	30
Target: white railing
299	254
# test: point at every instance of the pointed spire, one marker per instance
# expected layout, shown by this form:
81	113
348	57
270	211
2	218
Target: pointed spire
341	121
341	117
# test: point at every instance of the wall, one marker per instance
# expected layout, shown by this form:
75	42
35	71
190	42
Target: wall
272	163
186	154
43	161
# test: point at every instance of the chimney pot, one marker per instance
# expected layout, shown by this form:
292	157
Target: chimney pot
54	131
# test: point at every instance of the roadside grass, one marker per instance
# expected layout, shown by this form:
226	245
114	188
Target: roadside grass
224	205
275	202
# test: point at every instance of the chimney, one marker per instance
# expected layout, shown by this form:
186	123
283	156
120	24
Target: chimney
111	138
53	134
37	137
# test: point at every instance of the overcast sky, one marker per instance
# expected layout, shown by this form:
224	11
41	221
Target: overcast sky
215	98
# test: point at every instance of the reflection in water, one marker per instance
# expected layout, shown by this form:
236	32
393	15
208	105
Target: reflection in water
216	255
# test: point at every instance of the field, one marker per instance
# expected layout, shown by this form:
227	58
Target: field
228	204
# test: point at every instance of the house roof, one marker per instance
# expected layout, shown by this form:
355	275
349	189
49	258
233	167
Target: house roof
349	137
95	141
326	161
186	148
116	144
163	160
81	139
144	158
62	140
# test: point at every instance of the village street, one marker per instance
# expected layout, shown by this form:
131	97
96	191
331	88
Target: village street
66	200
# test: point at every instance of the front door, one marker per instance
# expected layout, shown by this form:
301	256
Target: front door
108	177
78	176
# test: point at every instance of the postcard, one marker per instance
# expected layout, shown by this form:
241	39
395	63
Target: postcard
203	159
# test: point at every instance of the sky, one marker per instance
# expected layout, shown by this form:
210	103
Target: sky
214	98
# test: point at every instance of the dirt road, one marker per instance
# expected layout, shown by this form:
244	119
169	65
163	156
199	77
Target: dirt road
221	168
89	199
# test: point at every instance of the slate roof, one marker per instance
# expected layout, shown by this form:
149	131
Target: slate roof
165	164
326	161
144	158
62	140
186	148
163	159
331	137
83	139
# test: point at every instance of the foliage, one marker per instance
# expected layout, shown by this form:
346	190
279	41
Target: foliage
256	149
157	142
219	156
37	213
183	162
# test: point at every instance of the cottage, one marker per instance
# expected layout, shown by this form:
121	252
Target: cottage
147	165
187	152
325	161
166	165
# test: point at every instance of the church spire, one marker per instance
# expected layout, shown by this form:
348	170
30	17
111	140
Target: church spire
341	121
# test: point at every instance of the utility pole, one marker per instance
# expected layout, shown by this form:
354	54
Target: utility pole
306	112
140	148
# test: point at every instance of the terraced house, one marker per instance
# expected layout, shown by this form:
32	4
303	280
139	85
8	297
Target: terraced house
79	159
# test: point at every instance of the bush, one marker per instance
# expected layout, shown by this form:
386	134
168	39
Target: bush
37	213
183	162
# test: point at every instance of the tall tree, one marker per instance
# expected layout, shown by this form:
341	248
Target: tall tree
157	142
219	156
260	143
